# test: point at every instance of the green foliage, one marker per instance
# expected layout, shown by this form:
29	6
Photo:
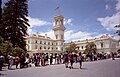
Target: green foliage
15	22
5	47
18	51
0	13
72	48
90	47
1	40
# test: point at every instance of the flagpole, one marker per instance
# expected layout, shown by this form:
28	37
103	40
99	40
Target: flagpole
59	11
59	7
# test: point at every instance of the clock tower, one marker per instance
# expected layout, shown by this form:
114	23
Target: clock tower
59	32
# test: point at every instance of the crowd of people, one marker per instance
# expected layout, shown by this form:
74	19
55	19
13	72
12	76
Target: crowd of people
43	59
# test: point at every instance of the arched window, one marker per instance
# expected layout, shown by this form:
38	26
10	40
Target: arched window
82	47
52	48
44	42
101	45
56	48
52	43
61	36
44	47
40	48
61	48
40	42
35	41
28	41
48	48
48	43
56	36
35	46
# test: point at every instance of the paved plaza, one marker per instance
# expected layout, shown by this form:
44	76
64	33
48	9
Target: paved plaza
102	68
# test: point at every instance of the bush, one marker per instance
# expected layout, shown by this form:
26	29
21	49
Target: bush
18	51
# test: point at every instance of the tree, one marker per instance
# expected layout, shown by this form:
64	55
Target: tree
5	46
90	47
15	22
18	51
72	47
118	31
0	13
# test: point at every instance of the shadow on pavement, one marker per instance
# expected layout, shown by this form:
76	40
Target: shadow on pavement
75	68
12	69
84	68
2	74
81	68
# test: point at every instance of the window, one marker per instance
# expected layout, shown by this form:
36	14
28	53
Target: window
56	48
48	48
52	43
56	43
44	47
101	45
40	42
52	48
82	47
35	41
61	48
44	42
28	47
56	36
28	41
61	43
35	46
48	43
61	36
40	48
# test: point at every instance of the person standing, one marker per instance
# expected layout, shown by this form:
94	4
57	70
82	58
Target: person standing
113	56
66	60
71	58
51	58
10	57
1	61
17	60
22	60
43	59
80	59
46	59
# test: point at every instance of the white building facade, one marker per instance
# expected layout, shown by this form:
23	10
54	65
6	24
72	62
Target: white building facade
104	44
40	44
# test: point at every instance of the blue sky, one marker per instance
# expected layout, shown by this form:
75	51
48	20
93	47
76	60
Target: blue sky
84	19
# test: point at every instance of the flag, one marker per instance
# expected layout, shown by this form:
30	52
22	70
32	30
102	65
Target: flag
57	8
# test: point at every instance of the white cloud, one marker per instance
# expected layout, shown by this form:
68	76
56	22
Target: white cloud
118	6
49	34
117	37
70	35
107	7
109	22
37	22
68	21
30	31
